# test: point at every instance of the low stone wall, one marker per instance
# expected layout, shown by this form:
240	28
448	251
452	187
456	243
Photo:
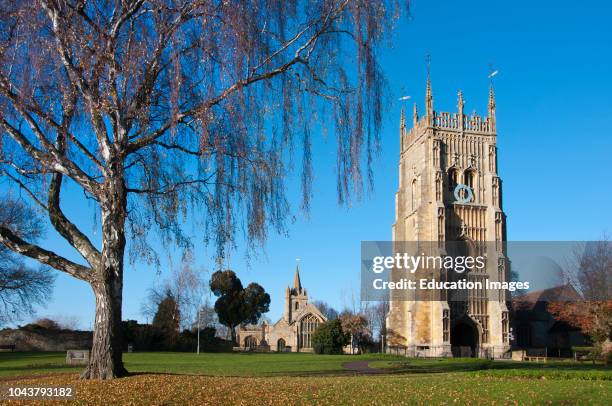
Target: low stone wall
41	339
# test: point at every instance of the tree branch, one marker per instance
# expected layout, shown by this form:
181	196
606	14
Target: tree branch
14	243
50	161
251	79
66	228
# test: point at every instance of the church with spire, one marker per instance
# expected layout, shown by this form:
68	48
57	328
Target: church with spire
450	200
292	332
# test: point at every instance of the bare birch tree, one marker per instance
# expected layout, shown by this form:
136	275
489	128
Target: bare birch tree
163	110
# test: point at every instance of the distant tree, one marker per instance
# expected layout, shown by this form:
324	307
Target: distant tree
48	324
376	315
237	305
21	286
187	287
330	338
143	337
590	272
168	319
207	317
327	310
68	322
356	325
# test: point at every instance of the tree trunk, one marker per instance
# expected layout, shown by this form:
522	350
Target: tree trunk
233	333
105	360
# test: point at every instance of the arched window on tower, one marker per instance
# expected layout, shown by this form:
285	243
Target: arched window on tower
469	178
452	178
297	305
414	193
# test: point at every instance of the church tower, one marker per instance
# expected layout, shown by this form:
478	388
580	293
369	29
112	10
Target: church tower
440	151
296	298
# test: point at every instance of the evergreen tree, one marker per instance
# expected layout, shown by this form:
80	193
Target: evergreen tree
329	338
167	319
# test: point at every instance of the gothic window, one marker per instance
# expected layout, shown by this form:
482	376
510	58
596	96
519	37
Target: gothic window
297	305
495	193
505	327
445	325
308	325
250	342
452	178
280	345
469	178
414	194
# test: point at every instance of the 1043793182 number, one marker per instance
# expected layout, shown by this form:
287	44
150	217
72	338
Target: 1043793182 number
37	392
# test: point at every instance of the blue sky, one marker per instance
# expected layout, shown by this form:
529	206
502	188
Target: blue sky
554	104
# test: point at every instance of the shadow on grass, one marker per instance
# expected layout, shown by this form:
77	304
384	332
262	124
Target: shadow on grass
339	372
466	365
41	367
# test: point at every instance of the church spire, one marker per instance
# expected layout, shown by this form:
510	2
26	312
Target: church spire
415	115
297	284
491	109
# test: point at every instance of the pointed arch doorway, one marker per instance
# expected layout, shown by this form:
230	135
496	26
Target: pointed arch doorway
465	337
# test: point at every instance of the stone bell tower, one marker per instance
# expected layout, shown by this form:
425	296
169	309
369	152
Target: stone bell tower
296	298
440	151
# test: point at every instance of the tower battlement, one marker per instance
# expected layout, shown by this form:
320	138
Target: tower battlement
458	122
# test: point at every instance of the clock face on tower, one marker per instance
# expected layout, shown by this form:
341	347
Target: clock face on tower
463	194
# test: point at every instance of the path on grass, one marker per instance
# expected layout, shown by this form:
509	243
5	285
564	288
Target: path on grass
362	367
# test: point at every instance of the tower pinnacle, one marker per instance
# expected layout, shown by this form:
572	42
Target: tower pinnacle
460	104
415	115
428	101
491	109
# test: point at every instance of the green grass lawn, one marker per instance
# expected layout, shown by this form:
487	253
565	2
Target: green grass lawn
222	378
219	364
504	369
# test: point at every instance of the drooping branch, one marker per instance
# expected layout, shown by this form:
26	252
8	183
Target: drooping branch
167	189
25	188
253	77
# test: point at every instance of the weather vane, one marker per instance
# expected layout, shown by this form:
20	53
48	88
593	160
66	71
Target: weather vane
492	73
